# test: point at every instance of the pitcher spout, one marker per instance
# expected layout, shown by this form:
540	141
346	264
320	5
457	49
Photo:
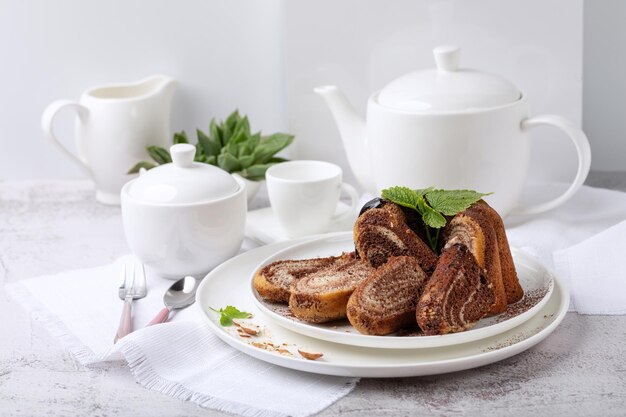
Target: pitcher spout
160	84
352	130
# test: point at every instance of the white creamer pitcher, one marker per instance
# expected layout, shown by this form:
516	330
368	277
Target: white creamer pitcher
114	125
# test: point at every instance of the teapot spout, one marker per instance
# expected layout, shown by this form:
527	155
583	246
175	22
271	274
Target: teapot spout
352	130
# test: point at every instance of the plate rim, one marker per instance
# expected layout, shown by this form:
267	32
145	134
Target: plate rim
397	370
391	342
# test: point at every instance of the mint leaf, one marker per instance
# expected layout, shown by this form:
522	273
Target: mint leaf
229	313
433	205
422	192
235	313
432	218
451	202
402	196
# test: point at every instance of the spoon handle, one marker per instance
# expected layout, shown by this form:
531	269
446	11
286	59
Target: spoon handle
161	317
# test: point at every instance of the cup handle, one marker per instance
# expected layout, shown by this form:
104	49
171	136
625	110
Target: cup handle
46	124
584	160
354	201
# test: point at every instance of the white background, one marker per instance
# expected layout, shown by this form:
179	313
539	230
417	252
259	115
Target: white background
264	57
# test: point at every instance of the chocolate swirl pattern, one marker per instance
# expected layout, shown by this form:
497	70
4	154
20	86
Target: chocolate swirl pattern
322	296
385	302
457	294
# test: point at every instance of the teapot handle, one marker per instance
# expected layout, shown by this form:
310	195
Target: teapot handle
46	124
584	160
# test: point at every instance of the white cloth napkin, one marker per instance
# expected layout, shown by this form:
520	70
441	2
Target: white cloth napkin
582	241
181	358
596	272
185	360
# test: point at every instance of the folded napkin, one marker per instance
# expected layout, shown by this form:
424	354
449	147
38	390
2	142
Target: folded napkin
596	272
182	358
582	242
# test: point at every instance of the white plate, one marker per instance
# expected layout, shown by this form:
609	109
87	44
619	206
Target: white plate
262	225
533	277
229	284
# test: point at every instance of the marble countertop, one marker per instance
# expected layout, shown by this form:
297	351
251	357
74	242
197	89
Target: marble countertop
48	227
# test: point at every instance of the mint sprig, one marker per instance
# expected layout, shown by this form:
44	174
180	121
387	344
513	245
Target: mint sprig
229	313
433	205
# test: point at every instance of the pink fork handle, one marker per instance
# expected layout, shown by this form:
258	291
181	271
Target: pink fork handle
161	317
126	325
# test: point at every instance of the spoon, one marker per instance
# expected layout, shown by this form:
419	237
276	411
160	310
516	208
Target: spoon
180	295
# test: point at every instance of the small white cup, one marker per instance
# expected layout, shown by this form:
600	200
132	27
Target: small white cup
305	194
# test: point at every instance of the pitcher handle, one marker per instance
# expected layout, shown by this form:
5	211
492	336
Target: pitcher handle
584	159
46	124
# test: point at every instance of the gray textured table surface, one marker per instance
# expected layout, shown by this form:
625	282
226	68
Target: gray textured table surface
579	370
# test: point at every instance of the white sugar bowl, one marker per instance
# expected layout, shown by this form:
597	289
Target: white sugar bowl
184	218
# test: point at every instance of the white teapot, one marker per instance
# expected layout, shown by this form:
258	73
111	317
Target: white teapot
449	128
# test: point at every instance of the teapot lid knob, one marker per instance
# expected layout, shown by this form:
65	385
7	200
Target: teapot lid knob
183	154
447	58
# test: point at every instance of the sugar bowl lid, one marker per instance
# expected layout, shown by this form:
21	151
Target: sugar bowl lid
447	88
183	181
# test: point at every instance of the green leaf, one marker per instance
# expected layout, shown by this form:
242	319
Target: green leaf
180	137
215	132
431	217
238	138
160	155
229	126
403	196
451	202
277	159
229	313
228	163
243	125
232	148
254	141
271	145
210	147
422	192
256	172
139	165
246	161
210	160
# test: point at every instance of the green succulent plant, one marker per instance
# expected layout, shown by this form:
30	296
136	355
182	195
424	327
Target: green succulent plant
230	145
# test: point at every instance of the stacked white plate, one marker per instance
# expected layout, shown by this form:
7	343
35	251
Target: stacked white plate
349	353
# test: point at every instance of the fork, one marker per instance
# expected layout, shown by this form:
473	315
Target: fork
132	288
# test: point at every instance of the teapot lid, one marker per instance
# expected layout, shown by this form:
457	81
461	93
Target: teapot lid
183	181
447	88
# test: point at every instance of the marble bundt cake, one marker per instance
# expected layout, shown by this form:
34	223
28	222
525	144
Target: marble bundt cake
322	296
457	294
385	302
382	232
274	280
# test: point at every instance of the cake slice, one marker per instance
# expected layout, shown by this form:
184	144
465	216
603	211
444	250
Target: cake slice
322	296
382	232
474	229
386	301
512	287
457	294
274	280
